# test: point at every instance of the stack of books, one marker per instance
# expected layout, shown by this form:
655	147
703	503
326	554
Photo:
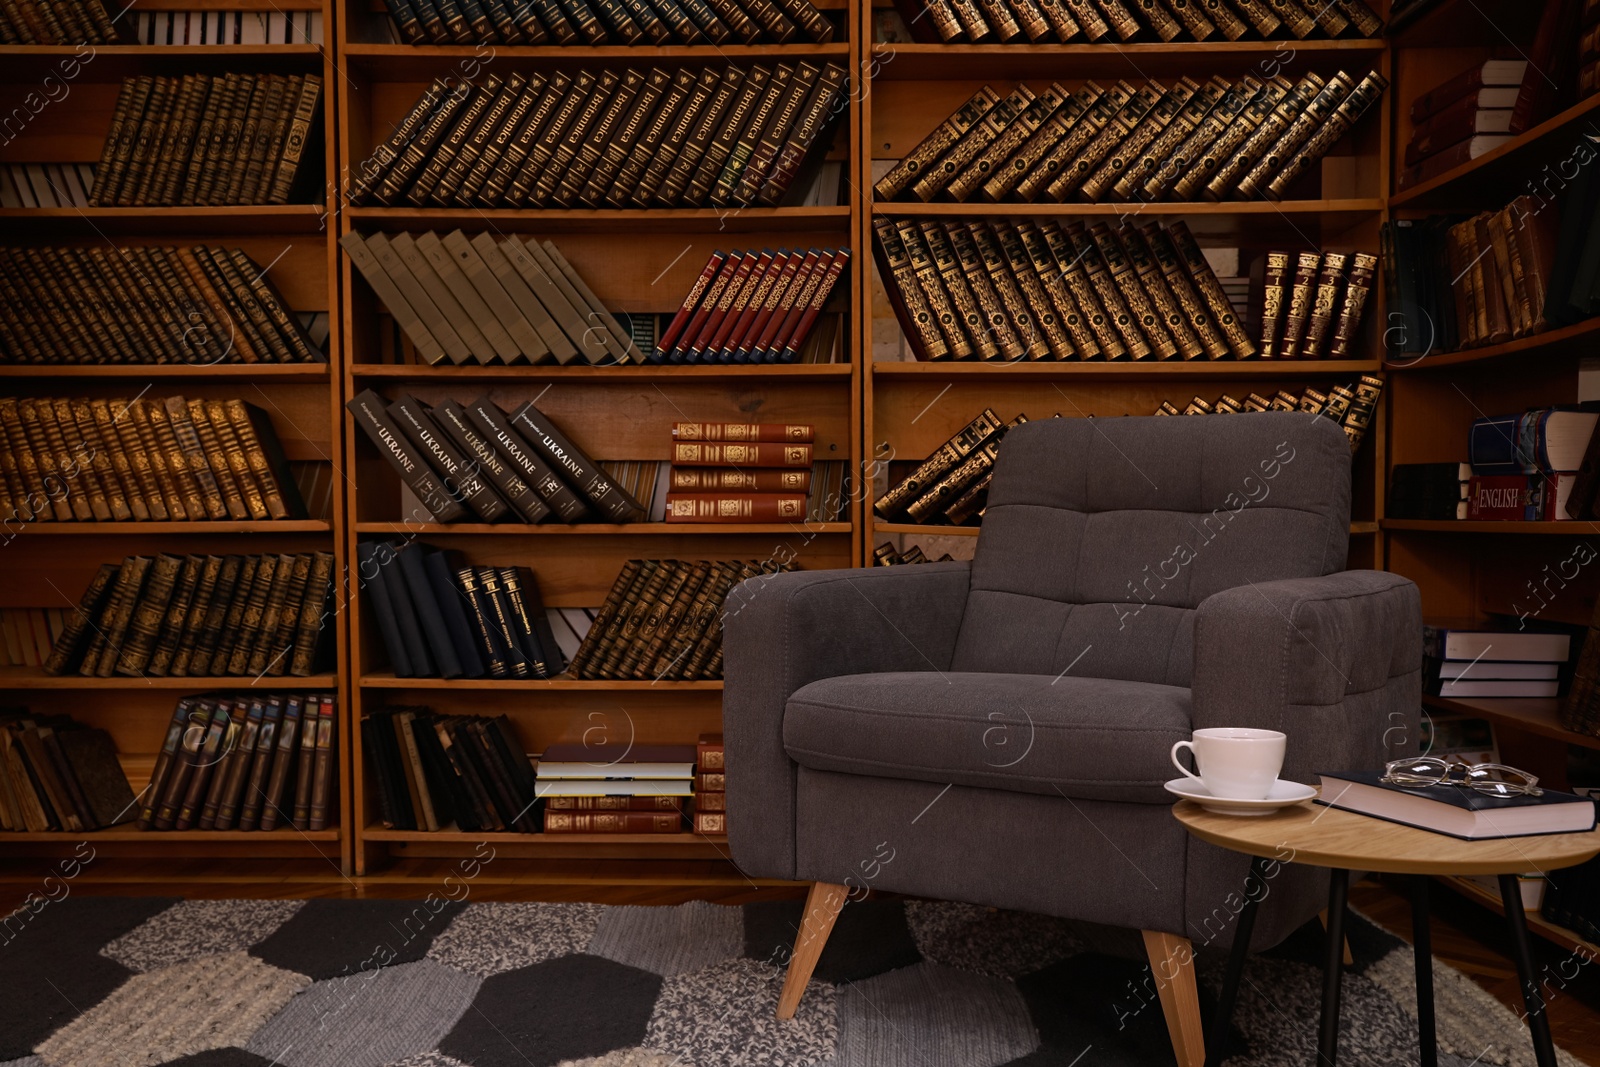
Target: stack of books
208	139
712	136
1311	303
1477	661
1238	140
161	459
751	472
645	775
57	774
1461	118
710	785
756	307
488	299
950	487
1536	466
145	304
441	618
474	462
255	762
448	772
662	620
1351	406
636	22
1024	21
201	616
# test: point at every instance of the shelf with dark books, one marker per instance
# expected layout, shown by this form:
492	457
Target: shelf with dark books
267	374
178	529
198	221
32	678
613	220
911	61
1127	369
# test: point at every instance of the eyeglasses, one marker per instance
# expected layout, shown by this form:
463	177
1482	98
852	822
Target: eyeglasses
1490	779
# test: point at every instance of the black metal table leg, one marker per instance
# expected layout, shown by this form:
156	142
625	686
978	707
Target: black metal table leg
1223	1017
1538	1023
1422	950
1333	964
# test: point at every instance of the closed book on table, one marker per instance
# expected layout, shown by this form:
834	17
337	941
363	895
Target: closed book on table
1456	810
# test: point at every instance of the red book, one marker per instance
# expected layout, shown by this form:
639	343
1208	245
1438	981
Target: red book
812	261
764	282
1488	73
613	804
612	822
738	480
738	307
708	299
691	301
747	343
736	507
1519	497
739	454
743	431
808	314
717	303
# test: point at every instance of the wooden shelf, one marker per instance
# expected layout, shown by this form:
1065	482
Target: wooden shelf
128	832
389	681
1566	342
31	678
1284	209
254	219
378	833
626	220
1504	169
266	372
915	62
197	529
1168	369
636	372
1564	528
633	529
1537	923
1534	715
974	531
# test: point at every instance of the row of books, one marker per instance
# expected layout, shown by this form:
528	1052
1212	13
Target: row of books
1035	21
245	762
770	462
207	139
1046	291
886	555
586	788
488	298
169	28
28	634
144	304
201	616
474	461
752	307
718	136
1461	118
1225	140
654	482
952	485
1470	660
1542	464
58	774
1322	292
662	620
453	772
440	618
601	22
160	459
54	22
1351	406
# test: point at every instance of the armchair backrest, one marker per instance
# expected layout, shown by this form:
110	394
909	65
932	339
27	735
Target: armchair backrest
1102	536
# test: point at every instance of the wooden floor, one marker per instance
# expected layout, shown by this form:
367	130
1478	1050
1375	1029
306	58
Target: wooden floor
1465	935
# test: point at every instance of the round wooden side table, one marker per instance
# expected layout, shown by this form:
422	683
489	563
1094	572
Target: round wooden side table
1344	841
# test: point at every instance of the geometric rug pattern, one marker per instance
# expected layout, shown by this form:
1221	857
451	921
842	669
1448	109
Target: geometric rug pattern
128	982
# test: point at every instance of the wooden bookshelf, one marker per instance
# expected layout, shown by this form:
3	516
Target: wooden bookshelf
48	564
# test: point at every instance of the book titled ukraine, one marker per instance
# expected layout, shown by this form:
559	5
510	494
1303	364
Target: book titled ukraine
1457	811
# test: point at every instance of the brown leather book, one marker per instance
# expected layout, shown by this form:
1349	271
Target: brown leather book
945	330
1065	299
1347	321
738	479
1497	319
207	458
205	764
282	760
735	507
1150	322
260	649
325	767
1330	280
641	598
218	646
1274	284
1100	130
69	647
1000	332
74	460
1043	315
221	809
244	628
305	763
1346	113
952	485
1019	313
1149	161
217	581
931	179
1263	136
99	452
968	319
705	602
622	803
592	641
176	616
112	629
166	761
1139	134
945	459
766	454
1509	273
173	453
1174	314
612	822
37	460
196	718
1205	282
314	630
1297	311
1077	246
1028	147
803	433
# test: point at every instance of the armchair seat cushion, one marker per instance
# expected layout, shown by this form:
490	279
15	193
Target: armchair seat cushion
1082	738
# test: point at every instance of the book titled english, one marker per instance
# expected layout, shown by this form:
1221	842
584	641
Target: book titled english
1457	811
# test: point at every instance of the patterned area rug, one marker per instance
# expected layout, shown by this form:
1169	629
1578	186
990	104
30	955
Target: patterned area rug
109	982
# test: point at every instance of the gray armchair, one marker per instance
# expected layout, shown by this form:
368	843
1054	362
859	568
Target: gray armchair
1000	730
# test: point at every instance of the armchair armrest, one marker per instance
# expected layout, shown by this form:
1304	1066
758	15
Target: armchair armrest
782	631
1334	662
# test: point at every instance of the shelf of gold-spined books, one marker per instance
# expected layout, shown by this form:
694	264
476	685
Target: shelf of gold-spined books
622	220
33	678
422	60
1512	527
1288	210
515	372
917	62
122	529
1114	369
1560	143
191	221
273	373
632	529
1567	341
384	680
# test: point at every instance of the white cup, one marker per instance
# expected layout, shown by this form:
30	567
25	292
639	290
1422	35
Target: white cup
1237	763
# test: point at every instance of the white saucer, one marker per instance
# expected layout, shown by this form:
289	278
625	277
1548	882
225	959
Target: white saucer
1281	795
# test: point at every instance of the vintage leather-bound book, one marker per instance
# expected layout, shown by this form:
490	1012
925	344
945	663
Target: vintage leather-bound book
1151	323
176	615
945	491
166	761
283	754
529	505
996	323
1356	103
375	421
1019	312
305	763
1099	130
1276	162
268	589
936	466
193	731
263	455
110	631
1070	295
1137	138
1363	266
262	652
1205	281
934	179
1330	280
200	637
68	649
1149	161
989	162
324	768
1075	243
1263	136
1274	282
314	634
1025	148
968	315
1168	307
1297	309
932	147
1195	307
605	617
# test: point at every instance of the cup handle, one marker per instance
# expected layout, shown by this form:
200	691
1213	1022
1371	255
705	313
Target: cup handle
1186	772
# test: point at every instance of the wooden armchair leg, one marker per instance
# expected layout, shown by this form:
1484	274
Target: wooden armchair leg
1172	961
823	905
